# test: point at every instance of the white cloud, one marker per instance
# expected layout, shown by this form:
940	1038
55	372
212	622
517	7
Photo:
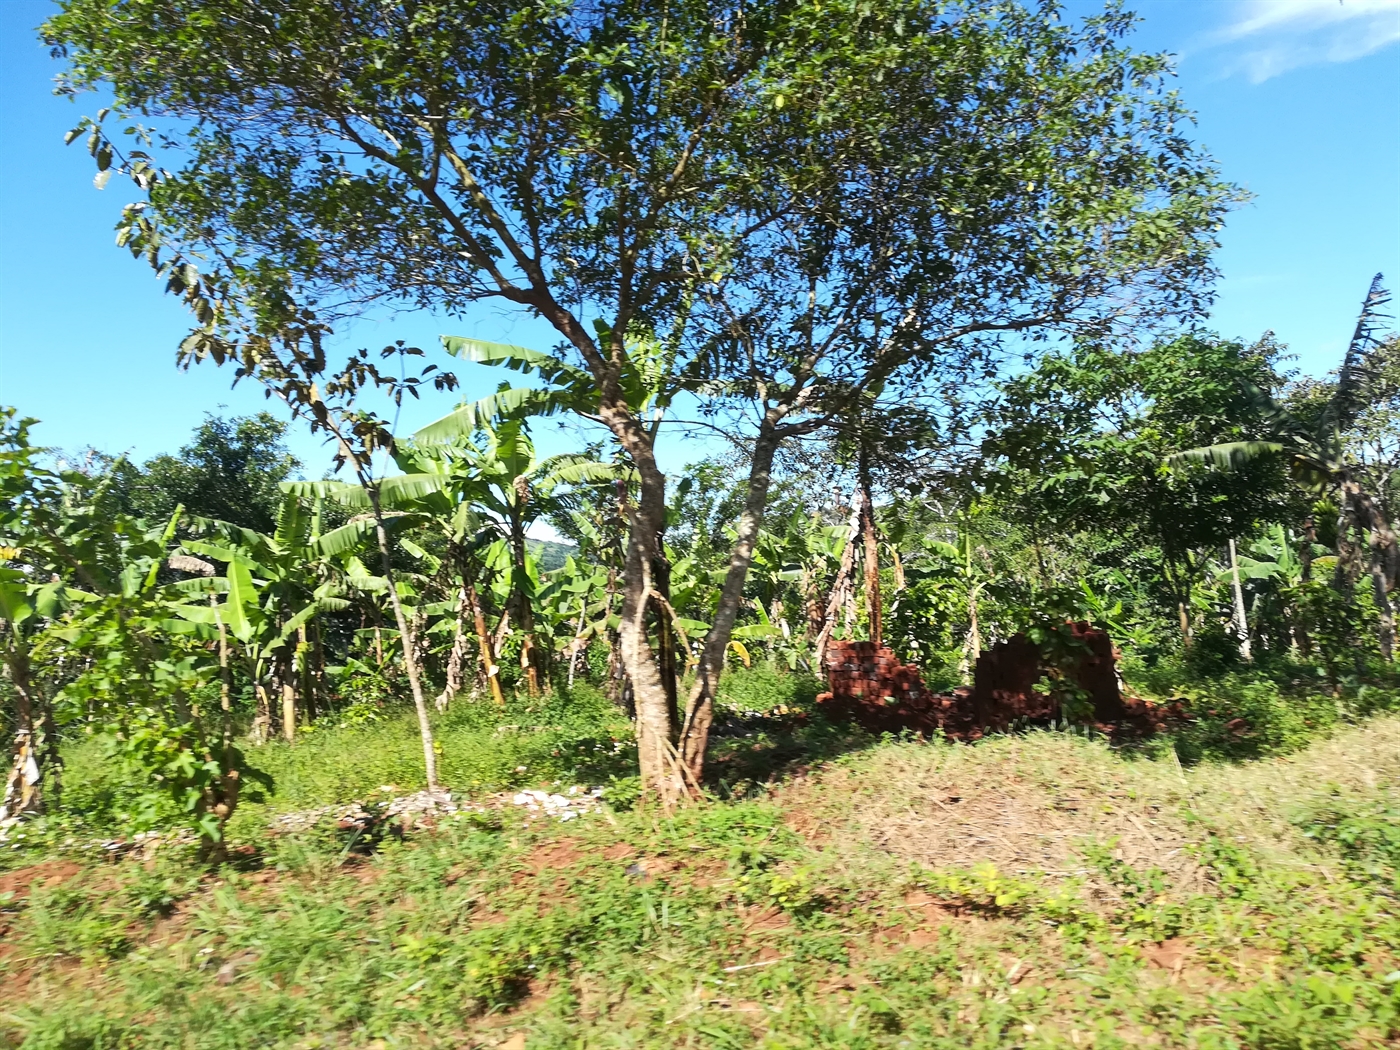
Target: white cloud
1270	37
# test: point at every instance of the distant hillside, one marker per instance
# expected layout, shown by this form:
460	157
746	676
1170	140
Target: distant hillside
551	554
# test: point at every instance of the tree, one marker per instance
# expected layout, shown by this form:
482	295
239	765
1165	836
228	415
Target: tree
1078	445
230	471
798	202
1312	437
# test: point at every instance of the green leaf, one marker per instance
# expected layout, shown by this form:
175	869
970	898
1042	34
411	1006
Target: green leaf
461	424
242	596
1231	455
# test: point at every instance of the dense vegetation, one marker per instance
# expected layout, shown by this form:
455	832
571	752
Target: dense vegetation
932	280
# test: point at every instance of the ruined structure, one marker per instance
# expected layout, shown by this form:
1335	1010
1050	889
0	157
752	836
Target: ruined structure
871	687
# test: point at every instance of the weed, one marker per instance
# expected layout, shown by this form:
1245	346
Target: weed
1015	893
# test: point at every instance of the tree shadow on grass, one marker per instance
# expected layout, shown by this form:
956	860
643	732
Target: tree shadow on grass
750	752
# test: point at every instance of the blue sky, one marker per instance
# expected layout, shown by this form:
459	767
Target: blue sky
1299	100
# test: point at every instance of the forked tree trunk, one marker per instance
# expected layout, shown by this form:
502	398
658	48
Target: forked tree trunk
699	713
662	773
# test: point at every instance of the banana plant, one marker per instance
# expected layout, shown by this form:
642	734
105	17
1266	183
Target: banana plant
90	578
514	487
273	585
55	533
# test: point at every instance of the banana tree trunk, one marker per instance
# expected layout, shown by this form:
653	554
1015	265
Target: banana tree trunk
574	646
490	670
261	730
284	674
1241	621
872	560
840	588
524	606
972	644
305	677
456	659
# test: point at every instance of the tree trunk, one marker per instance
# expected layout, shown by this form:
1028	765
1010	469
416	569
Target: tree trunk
1385	552
699	714
1385	611
226	760
304	677
663	775
872	559
578	636
1302	635
457	657
839	587
812	602
261	730
410	659
520	588
659	604
1241	621
972	645
286	677
24	786
489	668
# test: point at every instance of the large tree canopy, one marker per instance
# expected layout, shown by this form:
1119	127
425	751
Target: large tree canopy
807	202
231	470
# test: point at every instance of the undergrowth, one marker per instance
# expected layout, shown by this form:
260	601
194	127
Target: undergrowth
841	891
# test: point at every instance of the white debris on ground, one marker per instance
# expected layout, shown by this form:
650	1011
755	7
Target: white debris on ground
412	810
416	810
565	807
425	808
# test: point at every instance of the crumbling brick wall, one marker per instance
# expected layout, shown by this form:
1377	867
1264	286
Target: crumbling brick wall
873	688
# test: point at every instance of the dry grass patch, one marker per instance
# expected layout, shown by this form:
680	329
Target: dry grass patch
1255	802
1028	804
1032	803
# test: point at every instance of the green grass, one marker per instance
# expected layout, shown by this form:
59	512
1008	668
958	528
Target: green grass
1038	890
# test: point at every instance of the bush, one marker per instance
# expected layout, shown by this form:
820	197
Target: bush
762	688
